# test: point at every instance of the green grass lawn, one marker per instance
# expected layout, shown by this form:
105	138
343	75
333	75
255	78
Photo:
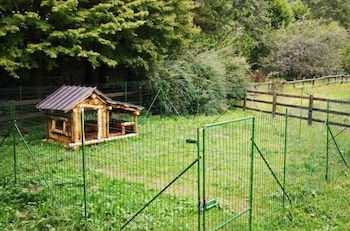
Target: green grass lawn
124	174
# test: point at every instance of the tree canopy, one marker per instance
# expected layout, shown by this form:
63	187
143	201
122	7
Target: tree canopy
307	49
40	33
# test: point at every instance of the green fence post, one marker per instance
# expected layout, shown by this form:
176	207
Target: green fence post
327	143
199	179
285	154
251	176
83	160
13	130
204	173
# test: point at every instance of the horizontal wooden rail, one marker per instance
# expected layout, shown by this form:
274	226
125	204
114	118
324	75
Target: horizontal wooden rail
294	116
310	108
300	97
335	78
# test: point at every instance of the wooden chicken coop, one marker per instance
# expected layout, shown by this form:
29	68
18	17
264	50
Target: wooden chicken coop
104	119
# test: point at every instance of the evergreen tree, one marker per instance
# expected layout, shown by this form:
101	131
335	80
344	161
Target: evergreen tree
39	34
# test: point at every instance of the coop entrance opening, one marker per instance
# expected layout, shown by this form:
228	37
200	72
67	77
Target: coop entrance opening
91	124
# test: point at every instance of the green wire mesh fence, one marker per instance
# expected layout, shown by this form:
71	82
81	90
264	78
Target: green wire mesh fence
172	176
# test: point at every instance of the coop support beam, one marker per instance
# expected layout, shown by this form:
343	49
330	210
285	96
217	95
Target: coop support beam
99	124
96	141
94	107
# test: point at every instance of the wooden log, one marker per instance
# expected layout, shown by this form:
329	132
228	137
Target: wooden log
274	101
311	103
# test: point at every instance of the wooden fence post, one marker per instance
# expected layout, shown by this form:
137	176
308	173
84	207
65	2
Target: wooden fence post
274	102
245	101
311	103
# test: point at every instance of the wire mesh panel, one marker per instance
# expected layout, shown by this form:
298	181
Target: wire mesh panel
227	175
269	166
147	181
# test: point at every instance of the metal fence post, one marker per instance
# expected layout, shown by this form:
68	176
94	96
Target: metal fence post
285	154
251	175
13	130
83	160
203	178
327	143
199	180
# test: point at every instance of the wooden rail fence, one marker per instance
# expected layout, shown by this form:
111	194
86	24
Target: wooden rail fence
331	79
310	108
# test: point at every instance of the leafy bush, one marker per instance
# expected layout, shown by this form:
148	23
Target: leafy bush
198	83
307	49
346	58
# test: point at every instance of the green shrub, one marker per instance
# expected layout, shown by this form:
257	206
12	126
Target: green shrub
201	83
307	49
346	58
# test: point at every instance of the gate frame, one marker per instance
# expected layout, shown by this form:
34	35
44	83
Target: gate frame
202	188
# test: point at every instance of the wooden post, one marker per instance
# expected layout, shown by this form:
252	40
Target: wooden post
245	102
311	103
294	82
99	124
274	102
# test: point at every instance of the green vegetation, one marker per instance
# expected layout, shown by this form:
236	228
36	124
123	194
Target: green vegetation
307	49
205	83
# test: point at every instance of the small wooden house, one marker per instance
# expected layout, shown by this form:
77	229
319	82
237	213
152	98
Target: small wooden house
104	118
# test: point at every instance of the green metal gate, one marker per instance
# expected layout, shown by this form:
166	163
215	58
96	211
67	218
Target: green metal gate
226	153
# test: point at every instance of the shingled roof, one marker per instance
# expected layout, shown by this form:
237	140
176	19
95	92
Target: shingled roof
66	98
